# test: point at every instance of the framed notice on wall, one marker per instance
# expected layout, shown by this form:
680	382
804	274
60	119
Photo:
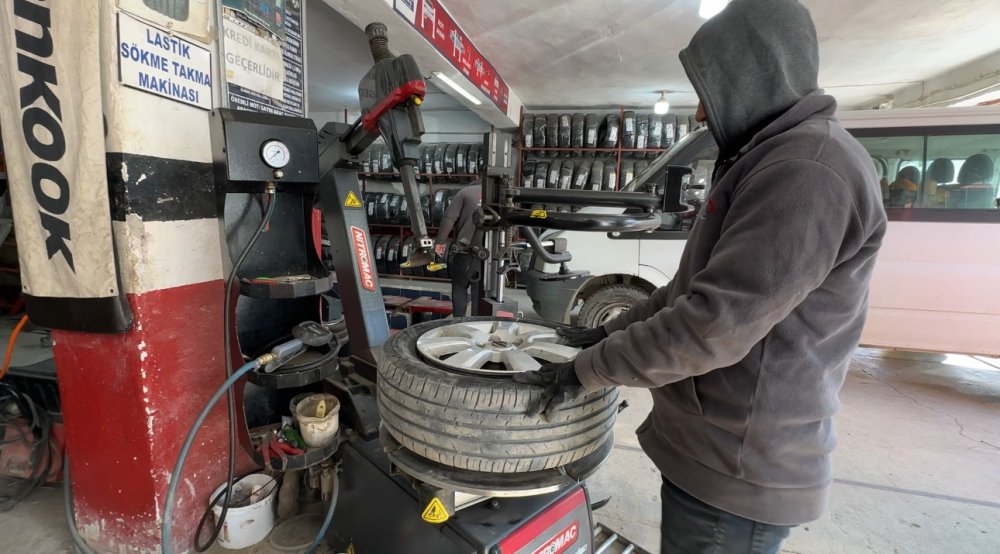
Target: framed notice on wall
264	56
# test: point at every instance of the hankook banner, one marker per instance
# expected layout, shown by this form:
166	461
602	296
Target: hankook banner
53	136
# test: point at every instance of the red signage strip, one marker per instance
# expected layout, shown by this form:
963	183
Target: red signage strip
434	22
530	531
366	265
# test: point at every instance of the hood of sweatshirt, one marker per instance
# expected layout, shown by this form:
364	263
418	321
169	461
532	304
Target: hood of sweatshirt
751	63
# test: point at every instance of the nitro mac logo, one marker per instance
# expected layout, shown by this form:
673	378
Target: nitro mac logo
364	256
41	123
561	542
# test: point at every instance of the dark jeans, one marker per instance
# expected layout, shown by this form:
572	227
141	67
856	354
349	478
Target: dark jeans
462	269
692	527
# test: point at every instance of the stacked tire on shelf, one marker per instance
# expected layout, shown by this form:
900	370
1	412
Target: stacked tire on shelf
585	147
434	159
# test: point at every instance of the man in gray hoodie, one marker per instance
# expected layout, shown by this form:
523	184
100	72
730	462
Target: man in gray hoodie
746	350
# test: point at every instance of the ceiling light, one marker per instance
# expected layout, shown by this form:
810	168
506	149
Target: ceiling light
662	105
457	88
711	8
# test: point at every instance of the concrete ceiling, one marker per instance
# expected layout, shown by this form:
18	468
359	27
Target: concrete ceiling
611	52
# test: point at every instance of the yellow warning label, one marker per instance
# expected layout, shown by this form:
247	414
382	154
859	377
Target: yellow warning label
435	512
350	549
539	214
352	201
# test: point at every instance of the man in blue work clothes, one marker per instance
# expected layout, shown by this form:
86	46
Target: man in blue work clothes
746	349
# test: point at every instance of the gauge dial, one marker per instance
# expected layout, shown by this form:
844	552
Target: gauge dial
275	154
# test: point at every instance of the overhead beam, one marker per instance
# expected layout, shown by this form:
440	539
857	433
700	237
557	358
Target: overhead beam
974	78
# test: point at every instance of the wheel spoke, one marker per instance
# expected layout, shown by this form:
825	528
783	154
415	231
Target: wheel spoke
519	360
552	352
473	333
472	358
442	346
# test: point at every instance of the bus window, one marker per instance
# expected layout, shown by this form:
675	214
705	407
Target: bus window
963	173
902	157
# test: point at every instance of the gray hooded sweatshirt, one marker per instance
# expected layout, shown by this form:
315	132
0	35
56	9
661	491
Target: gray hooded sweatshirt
747	349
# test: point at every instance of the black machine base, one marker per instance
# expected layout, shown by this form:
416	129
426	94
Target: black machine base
380	512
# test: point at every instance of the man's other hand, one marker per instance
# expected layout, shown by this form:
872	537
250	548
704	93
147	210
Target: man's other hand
439	249
560	383
581	337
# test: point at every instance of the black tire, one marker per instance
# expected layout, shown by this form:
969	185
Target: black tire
380	246
403	218
552	132
392	255
610	180
669	130
475	152
371	205
596	174
610	132
606	303
541	130
382	208
541	174
427	160
581	177
481	423
406	248
462	158
566	174
437	207
392	214
628	130
555	170
627	174
565	131
528	131
439	159
642	132
528	174
591	127
577	125
374	158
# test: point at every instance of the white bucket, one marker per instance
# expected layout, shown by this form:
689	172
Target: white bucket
318	431
247	525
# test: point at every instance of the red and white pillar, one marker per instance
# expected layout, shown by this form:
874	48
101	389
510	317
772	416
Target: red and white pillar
129	399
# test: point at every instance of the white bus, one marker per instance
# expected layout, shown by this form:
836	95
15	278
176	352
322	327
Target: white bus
936	285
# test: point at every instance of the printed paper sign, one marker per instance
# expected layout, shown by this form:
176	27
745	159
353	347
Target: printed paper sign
253	61
153	61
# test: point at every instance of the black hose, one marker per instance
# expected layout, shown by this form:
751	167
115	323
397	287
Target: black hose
226	354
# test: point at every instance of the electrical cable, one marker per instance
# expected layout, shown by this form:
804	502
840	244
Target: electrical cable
81	545
40	428
208	511
271	198
10	345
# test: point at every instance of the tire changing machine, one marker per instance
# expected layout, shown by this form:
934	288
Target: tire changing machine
390	500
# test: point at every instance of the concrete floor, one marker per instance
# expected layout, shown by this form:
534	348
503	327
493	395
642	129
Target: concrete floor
917	469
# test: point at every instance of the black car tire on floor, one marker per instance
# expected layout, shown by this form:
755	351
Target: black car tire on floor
607	303
481	423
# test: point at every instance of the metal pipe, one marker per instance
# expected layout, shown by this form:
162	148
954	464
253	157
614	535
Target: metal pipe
611	199
541	252
607	544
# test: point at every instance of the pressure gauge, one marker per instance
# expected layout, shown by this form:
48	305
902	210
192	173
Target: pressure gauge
275	154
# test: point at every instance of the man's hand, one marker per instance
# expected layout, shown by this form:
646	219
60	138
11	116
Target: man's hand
581	337
561	386
439	249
